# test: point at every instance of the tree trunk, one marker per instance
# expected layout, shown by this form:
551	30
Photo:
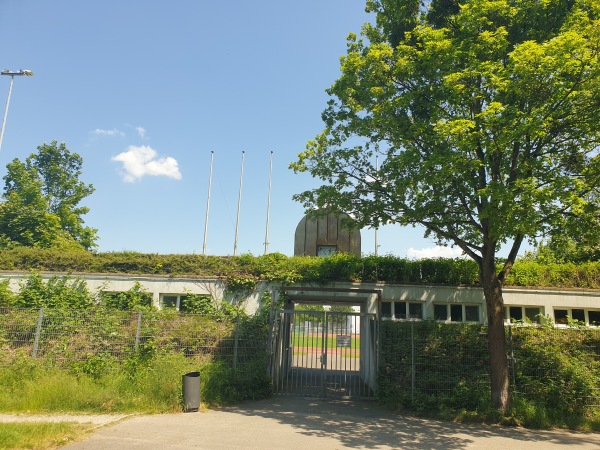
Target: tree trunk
499	374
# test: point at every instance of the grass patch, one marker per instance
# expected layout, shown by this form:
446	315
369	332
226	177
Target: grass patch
535	414
152	386
40	435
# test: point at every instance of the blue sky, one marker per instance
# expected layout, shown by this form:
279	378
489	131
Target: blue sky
145	90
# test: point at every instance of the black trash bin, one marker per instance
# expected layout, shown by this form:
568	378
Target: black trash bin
190	383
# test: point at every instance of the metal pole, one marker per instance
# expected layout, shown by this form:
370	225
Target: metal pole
12	79
412	362
11	74
269	203
237	222
236	340
212	157
324	333
38	332
138	331
271	361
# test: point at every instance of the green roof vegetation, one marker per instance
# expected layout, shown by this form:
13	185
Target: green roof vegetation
276	267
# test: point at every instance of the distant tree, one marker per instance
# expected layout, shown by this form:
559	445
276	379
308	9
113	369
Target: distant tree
578	242
563	249
485	116
41	201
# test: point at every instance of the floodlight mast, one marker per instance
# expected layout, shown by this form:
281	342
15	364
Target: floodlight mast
12	74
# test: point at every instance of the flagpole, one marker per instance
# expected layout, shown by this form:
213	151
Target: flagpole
237	222
269	203
212	157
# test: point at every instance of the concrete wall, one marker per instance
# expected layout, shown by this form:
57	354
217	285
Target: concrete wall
155	285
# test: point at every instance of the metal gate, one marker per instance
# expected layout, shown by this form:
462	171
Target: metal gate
324	354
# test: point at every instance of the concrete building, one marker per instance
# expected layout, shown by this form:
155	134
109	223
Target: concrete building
386	300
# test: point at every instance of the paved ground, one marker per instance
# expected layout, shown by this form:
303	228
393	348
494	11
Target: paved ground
297	423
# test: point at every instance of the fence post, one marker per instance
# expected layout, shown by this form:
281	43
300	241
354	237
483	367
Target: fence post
38	332
270	344
412	362
138	331
236	338
512	357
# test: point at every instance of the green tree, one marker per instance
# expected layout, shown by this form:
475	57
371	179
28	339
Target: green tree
486	118
24	219
563	249
42	197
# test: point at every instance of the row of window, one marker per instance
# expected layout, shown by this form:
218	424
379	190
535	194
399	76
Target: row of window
448	312
453	312
531	314
587	316
121	300
562	316
458	312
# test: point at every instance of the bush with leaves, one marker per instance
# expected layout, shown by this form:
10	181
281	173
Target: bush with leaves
433	366
557	372
135	299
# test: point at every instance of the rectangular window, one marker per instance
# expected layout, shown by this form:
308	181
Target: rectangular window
533	314
456	313
399	310
560	316
415	310
169	301
594	317
440	312
386	309
326	250
516	313
578	314
472	313
175	301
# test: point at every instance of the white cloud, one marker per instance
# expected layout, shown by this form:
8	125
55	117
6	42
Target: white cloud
113	132
434	252
143	160
141	131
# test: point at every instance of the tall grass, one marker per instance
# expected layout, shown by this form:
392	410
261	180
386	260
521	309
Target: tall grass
148	386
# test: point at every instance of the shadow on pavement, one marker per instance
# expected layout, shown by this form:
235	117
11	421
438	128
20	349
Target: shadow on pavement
362	424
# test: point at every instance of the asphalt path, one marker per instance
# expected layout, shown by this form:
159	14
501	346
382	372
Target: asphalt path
303	423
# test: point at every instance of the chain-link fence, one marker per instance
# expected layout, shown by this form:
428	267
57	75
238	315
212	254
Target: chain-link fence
561	365
448	364
432	362
419	362
66	336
